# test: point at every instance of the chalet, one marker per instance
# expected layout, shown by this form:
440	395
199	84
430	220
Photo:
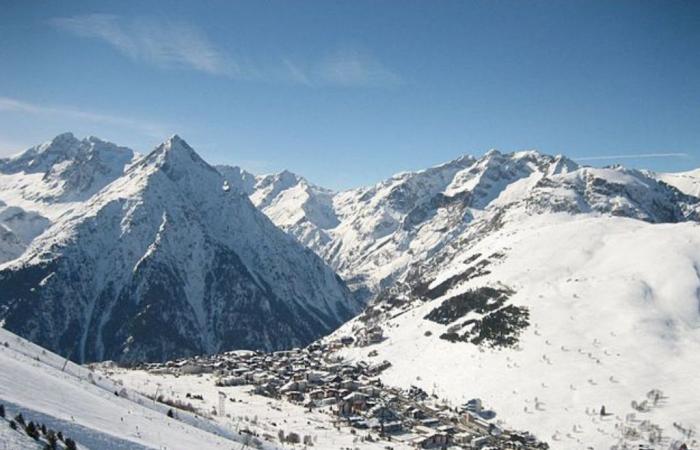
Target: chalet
394	426
294	396
316	376
448	429
415	413
480	441
327	401
352	404
231	381
317	394
430	422
431	440
349	383
369	390
473	405
357	422
331	393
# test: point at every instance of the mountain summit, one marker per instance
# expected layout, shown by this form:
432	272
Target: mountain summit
164	262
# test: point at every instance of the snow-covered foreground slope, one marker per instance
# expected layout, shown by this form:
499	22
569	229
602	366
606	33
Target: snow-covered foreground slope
165	261
614	314
83	406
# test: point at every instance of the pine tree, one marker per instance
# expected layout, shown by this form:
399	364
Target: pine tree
13	425
53	442
19	418
171	414
70	444
32	431
2	410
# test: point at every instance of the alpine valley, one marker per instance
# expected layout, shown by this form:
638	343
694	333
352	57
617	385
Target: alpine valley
565	298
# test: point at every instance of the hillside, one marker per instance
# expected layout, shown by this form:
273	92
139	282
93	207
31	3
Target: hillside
549	318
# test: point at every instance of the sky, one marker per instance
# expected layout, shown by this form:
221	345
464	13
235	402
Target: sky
348	93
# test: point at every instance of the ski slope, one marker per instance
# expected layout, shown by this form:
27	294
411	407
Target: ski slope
83	405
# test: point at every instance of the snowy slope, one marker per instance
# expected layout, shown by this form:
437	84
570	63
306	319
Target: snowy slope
613	314
17	230
686	182
295	205
83	406
166	261
237	178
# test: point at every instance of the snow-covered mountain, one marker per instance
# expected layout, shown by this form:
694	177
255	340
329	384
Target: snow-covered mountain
546	288
165	261
62	170
372	235
40	184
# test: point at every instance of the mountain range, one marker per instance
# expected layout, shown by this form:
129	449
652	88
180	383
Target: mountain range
372	235
153	257
545	287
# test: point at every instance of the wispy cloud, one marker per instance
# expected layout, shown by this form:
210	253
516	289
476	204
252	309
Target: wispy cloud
632	156
166	43
350	67
15	105
161	43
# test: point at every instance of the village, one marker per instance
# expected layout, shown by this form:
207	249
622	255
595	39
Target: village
353	396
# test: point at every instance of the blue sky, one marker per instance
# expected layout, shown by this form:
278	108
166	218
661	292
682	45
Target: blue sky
348	93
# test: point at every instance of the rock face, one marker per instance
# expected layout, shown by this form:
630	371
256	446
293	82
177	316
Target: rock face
168	261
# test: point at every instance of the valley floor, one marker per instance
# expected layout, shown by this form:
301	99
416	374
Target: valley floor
259	415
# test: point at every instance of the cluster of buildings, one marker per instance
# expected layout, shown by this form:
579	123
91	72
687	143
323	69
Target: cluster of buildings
354	395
